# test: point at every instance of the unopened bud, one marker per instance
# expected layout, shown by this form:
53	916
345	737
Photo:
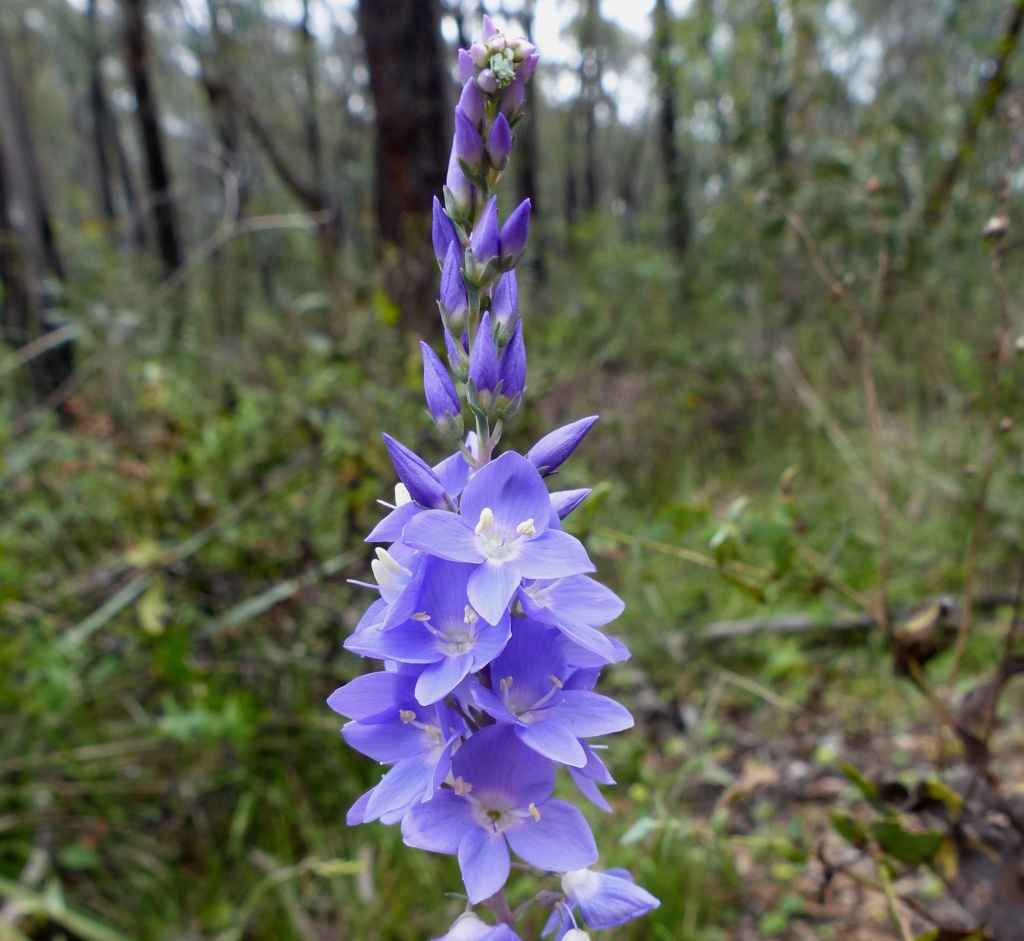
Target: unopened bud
505	307
499	143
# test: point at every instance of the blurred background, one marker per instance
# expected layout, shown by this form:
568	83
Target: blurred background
772	246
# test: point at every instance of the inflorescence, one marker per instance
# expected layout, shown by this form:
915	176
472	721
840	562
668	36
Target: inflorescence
488	623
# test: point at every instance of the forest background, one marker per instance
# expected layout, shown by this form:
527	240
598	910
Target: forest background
773	245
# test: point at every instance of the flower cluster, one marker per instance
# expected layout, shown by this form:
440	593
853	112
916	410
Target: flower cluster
488	622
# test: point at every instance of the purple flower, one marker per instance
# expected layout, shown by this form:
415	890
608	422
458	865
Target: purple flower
512	366
443	632
532	692
424	485
505	306
454	303
548	454
460	193
442	233
607	899
499	142
483	361
501	800
471	927
471	101
484	241
513	234
563	502
504	529
439	390
577	606
469	147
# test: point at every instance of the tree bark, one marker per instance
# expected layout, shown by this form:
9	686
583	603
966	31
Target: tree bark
672	161
98	103
168	242
406	60
28	247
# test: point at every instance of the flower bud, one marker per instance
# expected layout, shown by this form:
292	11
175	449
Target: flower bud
480	54
529	64
483	361
522	48
499	143
454	303
467	67
512	240
468	146
488	82
471	101
485	241
423	484
513	94
442	399
459	194
512	367
548	454
576	934
563	502
442	234
505	307
489	29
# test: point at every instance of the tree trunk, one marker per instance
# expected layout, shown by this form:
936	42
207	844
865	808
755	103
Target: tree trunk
527	135
168	243
673	164
98	103
28	248
413	137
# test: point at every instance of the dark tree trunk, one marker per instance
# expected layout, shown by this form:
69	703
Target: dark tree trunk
28	248
778	99
100	117
312	122
406	59
168	243
672	160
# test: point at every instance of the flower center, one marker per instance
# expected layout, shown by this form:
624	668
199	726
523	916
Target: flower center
492	540
525	710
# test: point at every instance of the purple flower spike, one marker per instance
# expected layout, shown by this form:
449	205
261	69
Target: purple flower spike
513	234
442	233
607	899
469	146
499	142
501	800
485	241
504	529
512	366
454	296
423	484
505	306
472	103
548	454
483	359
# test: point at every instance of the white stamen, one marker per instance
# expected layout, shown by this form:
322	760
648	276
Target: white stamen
421	616
556	681
505	684
486	522
471	617
462	788
402	495
406	715
534	812
527	529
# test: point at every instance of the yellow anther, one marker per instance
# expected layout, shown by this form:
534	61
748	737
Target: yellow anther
527	529
406	715
471	616
462	788
534	812
505	683
557	682
421	616
486	521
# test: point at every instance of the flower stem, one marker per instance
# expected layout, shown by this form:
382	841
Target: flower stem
499	905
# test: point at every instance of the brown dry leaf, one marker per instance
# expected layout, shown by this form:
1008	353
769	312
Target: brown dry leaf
753	776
